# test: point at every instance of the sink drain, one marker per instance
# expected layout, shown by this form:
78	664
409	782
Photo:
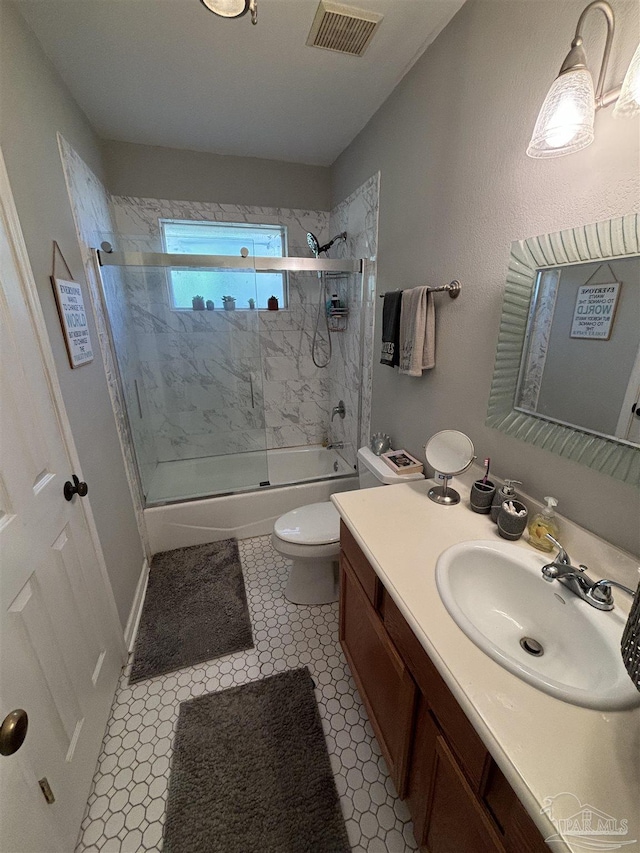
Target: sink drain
532	647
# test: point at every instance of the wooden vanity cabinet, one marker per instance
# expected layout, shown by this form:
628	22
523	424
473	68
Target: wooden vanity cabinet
383	680
458	798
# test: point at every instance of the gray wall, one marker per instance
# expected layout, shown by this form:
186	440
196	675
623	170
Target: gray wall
34	105
147	171
457	188
585	381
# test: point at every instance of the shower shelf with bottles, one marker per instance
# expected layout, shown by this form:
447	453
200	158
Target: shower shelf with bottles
337	305
337	319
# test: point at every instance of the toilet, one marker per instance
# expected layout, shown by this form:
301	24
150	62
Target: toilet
310	536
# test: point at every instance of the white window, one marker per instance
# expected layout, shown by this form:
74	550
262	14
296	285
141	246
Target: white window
223	238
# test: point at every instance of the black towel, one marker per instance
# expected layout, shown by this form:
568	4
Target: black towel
391	328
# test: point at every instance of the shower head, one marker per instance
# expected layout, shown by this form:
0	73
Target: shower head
314	243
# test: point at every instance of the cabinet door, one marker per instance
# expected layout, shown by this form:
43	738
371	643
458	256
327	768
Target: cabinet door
460	734
520	833
384	682
421	771
456	820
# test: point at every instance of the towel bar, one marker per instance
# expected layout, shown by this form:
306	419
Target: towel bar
452	289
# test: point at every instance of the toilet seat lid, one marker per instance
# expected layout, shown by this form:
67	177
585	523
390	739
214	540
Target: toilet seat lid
314	524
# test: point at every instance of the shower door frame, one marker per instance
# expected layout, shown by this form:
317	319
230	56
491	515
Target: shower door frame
124	408
105	257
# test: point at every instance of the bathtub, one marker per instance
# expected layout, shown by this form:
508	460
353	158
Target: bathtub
301	464
296	476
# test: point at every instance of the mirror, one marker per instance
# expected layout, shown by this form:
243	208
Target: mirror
449	452
581	360
567	370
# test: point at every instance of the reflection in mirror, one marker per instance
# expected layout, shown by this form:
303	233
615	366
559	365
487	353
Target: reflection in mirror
449	452
581	359
566	375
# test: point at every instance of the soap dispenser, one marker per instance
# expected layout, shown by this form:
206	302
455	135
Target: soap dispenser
541	524
506	493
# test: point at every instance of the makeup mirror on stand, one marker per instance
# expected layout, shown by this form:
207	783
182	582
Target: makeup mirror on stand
450	452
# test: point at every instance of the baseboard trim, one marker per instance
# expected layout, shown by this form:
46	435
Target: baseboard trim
136	608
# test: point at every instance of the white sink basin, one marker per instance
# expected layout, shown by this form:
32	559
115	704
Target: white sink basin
496	594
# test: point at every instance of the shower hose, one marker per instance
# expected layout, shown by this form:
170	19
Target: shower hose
322	309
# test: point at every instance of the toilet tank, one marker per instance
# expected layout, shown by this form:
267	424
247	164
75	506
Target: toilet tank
374	471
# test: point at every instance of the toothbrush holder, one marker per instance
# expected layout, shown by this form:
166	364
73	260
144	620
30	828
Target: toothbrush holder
512	526
481	496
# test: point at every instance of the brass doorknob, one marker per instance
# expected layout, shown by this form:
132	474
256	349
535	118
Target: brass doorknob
13	731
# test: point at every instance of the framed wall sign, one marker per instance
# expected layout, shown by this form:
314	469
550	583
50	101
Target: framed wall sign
595	310
73	319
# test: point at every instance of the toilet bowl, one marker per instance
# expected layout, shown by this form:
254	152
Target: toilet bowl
310	536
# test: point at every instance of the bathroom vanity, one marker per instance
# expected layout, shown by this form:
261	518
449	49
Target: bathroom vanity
458	797
485	761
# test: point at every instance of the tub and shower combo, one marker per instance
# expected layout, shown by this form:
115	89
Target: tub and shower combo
229	409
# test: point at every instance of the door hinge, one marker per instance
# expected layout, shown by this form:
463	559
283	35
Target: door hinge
47	793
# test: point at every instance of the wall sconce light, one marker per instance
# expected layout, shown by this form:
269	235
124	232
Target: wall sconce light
566	119
628	104
233	8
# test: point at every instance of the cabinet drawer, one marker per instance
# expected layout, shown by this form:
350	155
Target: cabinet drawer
456	820
360	565
460	733
384	682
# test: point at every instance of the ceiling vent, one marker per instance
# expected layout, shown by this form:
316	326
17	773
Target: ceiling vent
343	28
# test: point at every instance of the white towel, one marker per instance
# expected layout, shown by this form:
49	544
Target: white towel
417	331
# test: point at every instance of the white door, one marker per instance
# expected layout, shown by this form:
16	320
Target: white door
629	420
61	646
633	430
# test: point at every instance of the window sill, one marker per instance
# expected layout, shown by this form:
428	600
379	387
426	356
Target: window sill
224	311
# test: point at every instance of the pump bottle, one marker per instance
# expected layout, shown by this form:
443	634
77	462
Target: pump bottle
506	493
541	524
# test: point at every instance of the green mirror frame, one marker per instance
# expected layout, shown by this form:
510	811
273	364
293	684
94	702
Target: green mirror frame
612	238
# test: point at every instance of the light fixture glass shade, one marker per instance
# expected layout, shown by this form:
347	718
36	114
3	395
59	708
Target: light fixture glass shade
227	8
628	104
565	122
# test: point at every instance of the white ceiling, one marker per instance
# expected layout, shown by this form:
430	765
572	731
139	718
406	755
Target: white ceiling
170	73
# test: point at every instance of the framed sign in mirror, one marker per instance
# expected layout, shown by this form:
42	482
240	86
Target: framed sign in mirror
567	369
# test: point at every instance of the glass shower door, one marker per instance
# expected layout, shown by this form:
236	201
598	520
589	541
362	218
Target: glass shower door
191	375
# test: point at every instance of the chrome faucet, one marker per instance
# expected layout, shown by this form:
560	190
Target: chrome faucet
562	558
596	593
338	410
335	445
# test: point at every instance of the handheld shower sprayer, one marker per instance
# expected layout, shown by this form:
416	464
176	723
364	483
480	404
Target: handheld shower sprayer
317	249
314	243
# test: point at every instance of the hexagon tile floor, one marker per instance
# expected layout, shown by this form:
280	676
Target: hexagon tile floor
125	810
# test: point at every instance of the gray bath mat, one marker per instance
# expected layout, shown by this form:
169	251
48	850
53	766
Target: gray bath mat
250	773
195	609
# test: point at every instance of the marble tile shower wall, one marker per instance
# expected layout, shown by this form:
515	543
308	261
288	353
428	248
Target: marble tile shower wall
350	378
188	378
219	382
94	223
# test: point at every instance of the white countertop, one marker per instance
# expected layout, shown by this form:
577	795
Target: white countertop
544	746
